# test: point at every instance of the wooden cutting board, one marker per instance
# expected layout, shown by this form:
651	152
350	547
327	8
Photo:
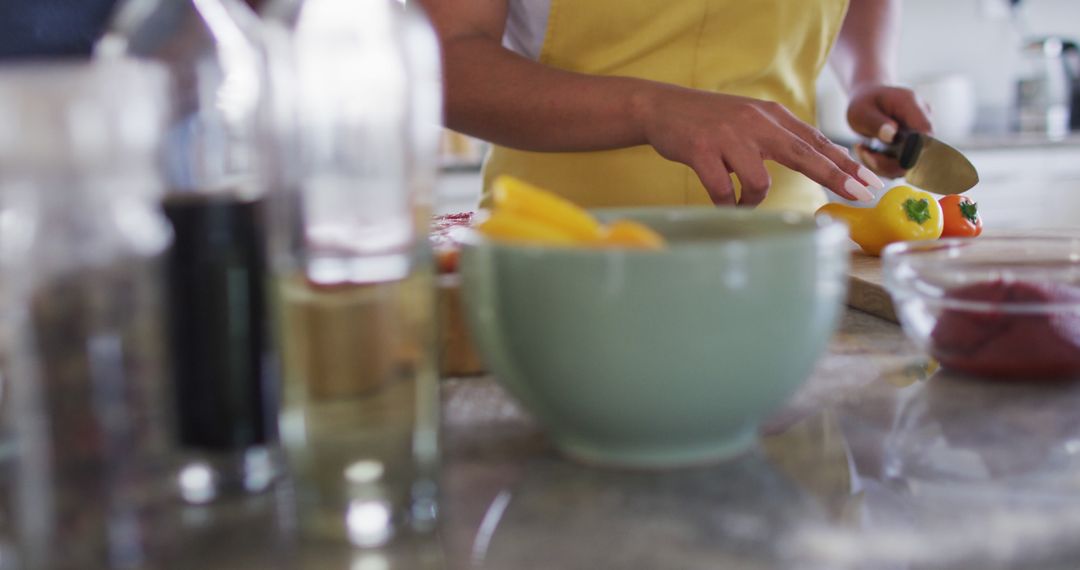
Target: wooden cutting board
866	287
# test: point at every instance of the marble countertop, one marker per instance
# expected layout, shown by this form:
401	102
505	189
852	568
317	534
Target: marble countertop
878	463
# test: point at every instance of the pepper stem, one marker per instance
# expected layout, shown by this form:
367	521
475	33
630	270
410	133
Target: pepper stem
969	210
917	211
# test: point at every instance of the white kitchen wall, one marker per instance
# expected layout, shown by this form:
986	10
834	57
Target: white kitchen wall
978	39
975	39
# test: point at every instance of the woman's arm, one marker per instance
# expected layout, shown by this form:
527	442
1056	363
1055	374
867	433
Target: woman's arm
497	95
864	59
865	52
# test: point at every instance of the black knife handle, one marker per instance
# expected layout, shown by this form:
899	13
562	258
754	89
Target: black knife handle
905	148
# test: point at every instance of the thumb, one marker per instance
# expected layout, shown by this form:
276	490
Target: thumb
912	112
869	121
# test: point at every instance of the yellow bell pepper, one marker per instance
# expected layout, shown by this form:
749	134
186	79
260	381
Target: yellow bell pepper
628	233
526	214
508	226
515	196
902	214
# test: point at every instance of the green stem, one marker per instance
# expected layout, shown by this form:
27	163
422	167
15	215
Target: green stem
917	211
970	211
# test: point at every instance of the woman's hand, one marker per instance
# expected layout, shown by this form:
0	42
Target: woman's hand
718	135
877	111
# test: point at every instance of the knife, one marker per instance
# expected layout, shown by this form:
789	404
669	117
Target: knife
931	164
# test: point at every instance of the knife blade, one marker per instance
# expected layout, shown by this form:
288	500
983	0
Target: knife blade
931	164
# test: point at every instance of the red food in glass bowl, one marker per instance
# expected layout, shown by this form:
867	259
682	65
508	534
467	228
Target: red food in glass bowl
1010	330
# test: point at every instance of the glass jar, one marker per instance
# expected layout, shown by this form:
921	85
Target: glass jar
225	371
82	260
1043	88
357	287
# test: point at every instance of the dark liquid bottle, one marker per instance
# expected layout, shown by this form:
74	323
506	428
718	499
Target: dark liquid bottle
223	377
224	371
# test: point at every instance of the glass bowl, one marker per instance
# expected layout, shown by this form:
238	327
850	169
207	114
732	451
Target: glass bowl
1004	306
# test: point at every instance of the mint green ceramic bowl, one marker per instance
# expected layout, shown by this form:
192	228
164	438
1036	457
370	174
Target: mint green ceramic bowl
658	359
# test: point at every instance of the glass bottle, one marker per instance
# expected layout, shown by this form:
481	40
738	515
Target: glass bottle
424	117
82	260
357	290
225	371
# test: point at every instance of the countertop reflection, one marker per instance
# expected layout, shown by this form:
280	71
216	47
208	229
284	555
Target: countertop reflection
880	462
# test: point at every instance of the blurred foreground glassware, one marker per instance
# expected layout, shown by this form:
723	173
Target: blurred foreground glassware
424	117
82	258
356	283
225	371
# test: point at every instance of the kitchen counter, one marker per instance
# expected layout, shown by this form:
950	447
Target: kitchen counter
877	463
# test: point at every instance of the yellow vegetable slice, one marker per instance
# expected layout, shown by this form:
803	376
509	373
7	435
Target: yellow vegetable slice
515	196
507	226
628	233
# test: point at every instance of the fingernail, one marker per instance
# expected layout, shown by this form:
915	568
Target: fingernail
887	132
870	178
860	192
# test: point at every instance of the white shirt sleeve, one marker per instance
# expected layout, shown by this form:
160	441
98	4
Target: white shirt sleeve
526	26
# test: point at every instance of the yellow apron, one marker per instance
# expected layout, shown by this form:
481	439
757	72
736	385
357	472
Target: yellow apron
767	49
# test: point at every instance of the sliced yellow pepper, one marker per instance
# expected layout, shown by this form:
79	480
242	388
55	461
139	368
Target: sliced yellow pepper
628	233
508	226
525	213
902	214
515	196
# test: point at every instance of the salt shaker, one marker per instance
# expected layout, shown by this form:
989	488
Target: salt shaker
83	246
